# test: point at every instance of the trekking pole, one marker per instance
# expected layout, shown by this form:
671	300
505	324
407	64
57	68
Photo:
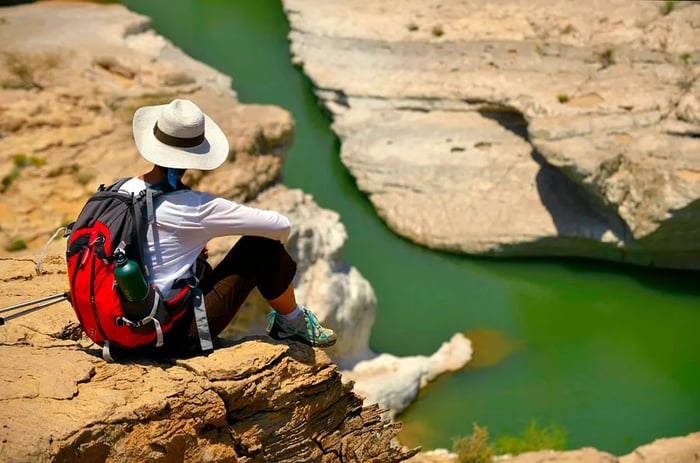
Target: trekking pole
47	301
58	296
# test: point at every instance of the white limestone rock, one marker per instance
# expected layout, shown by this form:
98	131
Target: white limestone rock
512	128
394	382
344	301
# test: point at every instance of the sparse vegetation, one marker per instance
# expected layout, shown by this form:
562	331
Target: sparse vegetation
16	245
476	448
533	438
3	20
412	27
24	69
606	58
438	31
20	161
667	7
569	29
83	177
8	179
563	98
687	80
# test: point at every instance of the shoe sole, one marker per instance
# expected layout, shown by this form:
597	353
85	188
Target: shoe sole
274	334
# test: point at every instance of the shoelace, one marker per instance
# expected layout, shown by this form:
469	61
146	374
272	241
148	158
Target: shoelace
271	319
313	326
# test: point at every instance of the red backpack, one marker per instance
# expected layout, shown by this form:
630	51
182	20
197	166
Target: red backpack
111	219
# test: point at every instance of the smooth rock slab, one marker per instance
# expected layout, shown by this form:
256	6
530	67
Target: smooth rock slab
596	86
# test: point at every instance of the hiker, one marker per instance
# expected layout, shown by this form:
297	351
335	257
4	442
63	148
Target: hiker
179	136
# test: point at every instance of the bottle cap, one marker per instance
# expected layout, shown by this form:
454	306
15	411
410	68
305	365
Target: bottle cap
119	256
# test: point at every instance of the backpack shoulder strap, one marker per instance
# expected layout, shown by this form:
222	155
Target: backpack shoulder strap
146	209
116	185
151	194
155	191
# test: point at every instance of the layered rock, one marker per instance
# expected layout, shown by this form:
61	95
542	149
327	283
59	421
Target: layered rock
254	401
512	128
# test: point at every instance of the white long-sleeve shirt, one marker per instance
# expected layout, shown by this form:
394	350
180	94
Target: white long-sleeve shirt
186	220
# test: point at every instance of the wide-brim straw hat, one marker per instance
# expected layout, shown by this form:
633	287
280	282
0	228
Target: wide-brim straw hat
179	135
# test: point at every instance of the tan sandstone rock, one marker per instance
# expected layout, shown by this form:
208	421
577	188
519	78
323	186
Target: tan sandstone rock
253	401
66	104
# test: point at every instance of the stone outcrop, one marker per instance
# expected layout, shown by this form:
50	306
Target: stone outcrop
253	401
51	369
394	382
68	90
684	449
517	128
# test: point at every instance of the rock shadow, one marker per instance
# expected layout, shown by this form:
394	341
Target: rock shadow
575	213
298	351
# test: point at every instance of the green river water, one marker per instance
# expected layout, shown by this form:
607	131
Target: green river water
611	353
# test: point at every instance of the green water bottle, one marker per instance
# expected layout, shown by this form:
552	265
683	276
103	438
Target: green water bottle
129	277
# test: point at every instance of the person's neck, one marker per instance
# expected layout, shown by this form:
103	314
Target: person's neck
155	175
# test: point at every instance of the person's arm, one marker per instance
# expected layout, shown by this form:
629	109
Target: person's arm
221	217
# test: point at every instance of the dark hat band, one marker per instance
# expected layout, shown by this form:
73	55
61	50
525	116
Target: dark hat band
179	142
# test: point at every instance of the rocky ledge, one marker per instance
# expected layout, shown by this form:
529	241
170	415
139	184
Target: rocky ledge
253	401
540	128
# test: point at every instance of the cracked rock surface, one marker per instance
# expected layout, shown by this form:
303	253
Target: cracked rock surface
517	128
256	400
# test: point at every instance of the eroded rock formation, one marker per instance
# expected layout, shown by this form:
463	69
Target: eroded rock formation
517	128
254	401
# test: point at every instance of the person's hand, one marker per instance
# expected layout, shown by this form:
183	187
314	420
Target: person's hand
202	266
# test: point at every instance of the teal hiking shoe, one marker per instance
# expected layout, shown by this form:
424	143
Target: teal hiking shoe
305	328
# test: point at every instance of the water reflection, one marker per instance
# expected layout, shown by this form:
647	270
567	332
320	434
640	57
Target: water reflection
490	347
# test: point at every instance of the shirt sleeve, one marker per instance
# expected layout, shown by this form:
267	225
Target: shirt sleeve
221	217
